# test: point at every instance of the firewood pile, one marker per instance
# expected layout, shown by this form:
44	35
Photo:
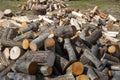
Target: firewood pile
64	44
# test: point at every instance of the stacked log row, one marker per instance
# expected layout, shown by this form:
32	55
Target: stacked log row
64	44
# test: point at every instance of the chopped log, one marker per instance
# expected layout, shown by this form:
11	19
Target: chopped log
82	77
25	43
62	77
23	66
31	26
85	60
91	73
110	57
93	38
49	44
77	68
112	49
5	33
10	43
108	62
94	50
4	61
20	76
105	71
68	47
66	31
92	58
115	67
2	67
46	58
101	14
39	9
6	70
94	11
38	42
61	63
7	53
15	53
101	75
23	36
46	70
10	34
8	13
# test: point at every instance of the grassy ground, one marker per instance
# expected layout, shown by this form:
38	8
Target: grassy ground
108	6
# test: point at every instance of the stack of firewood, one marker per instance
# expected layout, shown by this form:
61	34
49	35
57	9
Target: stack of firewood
64	44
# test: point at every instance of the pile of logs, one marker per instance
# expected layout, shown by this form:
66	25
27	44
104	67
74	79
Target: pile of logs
64	44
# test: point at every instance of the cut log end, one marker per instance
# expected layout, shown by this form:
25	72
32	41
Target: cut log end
33	46
15	53
82	77
77	68
25	44
112	49
32	68
50	70
49	42
7	53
